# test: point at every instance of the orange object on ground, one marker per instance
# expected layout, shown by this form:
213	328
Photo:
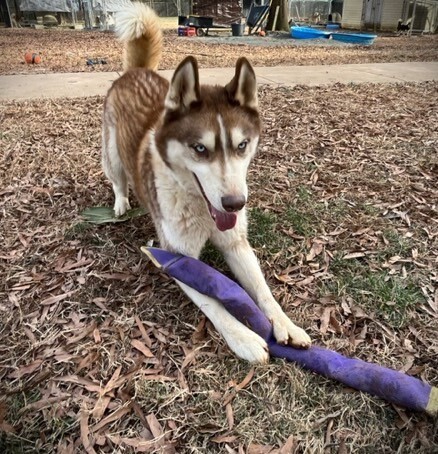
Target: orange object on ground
32	58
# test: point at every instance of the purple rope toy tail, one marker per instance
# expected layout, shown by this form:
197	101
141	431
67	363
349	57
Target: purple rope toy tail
388	384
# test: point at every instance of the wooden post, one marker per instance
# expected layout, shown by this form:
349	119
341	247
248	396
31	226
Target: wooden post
413	18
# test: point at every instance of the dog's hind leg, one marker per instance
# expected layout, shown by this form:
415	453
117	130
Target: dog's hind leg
113	168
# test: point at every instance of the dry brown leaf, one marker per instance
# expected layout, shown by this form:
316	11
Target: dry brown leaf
245	382
143	332
29	334
114	416
230	416
88	384
75	266
112	382
190	357
115	276
56	299
85	431
154	425
354	255
306	281
361	231
96	335
345	307
224	439
4	425
87	361
334	323
7	428
137	344
84	333
317	248
254	448
325	319
43	403
139	444
343	447
409	362
26	370
100	407
283	278
289	446
200	331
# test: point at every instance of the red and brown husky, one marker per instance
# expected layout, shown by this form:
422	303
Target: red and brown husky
185	149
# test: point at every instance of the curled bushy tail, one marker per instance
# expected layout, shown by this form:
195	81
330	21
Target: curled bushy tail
138	28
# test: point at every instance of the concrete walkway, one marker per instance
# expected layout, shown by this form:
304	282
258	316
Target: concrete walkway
72	85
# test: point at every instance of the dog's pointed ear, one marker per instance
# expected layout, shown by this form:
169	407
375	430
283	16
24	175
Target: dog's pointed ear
184	86
243	86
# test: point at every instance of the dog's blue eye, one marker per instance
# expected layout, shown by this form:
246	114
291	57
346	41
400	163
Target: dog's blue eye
242	145
199	148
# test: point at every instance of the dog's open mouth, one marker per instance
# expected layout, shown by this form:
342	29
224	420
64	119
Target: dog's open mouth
223	221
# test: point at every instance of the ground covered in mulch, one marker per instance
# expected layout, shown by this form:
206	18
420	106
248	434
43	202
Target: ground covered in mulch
68	50
100	352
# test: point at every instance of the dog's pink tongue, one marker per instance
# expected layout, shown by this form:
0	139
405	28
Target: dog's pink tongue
224	221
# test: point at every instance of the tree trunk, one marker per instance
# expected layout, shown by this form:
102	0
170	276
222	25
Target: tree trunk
282	23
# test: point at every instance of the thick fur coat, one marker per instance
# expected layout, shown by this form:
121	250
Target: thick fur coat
184	149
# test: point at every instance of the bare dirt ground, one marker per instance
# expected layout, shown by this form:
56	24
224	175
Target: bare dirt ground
69	50
100	352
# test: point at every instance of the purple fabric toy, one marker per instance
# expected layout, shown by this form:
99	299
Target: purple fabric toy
388	384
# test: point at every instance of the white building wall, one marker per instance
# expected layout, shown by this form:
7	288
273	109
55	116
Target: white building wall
352	14
391	13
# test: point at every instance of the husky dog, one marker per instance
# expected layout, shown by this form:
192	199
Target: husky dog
185	148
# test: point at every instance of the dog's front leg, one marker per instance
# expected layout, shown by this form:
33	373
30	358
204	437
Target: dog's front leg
244	264
243	342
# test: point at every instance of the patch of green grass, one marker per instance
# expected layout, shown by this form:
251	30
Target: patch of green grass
303	223
154	394
390	297
306	215
11	443
213	257
78	230
370	210
338	209
40	435
397	245
261	230
304	194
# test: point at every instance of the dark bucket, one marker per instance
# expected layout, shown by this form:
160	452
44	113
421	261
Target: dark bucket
237	29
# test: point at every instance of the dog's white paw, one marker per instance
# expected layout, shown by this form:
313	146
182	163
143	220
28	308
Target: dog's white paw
121	206
286	332
248	345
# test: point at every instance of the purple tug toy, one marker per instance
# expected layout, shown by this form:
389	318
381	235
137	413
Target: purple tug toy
388	384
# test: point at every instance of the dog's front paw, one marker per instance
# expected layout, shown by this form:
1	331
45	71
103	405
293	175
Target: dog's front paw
121	206
248	346
286	332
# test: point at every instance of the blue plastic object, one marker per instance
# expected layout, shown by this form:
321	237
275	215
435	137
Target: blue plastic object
308	33
354	38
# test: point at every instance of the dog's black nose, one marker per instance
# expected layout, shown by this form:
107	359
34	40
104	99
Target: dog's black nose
233	202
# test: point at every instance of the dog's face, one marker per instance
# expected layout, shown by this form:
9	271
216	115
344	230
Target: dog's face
212	133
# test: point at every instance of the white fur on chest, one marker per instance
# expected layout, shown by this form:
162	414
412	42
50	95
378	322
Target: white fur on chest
185	220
